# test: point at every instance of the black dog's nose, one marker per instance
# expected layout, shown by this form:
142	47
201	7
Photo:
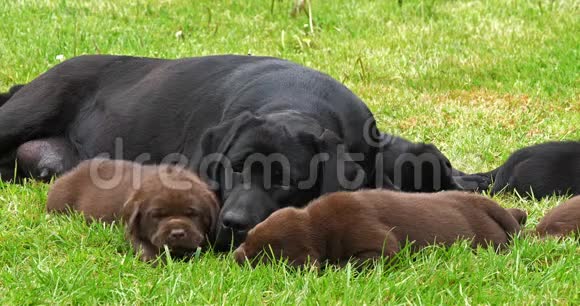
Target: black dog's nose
176	234
235	222
44	174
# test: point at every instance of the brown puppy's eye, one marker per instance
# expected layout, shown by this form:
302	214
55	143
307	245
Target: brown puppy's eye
157	214
192	213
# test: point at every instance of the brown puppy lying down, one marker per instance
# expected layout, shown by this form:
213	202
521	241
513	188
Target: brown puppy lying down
562	220
161	205
369	224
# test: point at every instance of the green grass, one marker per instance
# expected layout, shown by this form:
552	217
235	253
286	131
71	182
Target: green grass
478	78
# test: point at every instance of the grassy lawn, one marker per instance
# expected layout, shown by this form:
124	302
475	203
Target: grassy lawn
479	79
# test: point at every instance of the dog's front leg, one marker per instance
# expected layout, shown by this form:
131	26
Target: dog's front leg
148	252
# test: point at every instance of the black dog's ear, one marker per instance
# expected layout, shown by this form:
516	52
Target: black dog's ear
381	177
338	172
218	140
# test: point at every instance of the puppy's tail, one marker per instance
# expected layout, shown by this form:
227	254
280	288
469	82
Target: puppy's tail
4	97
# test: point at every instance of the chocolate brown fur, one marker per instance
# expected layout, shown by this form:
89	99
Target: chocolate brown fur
370	224
161	205
520	215
99	195
562	220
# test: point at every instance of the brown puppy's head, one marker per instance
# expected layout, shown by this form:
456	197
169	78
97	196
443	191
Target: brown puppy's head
287	234
562	220
172	207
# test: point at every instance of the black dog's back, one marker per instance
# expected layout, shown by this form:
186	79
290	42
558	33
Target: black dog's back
541	170
5	96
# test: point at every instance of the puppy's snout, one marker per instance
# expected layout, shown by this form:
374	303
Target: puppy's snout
176	234
240	255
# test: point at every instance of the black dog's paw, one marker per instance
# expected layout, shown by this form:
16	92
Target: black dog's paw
473	182
45	174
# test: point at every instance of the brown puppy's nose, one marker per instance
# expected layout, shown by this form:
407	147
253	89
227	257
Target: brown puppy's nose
176	234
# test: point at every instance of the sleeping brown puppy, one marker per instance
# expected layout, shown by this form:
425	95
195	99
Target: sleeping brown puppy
562	220
369	224
161	205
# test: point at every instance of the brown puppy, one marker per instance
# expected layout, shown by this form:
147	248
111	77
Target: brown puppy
161	205
562	220
369	224
98	188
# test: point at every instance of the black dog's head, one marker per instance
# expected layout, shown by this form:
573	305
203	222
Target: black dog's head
417	167
421	167
264	163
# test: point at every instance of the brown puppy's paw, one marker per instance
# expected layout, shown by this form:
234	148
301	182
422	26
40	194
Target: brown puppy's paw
519	214
240	255
147	257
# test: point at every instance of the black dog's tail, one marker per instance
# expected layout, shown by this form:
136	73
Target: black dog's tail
4	97
491	174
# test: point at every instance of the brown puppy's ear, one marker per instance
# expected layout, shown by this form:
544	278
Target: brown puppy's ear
131	214
212	215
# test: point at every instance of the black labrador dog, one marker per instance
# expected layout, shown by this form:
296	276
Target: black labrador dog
264	132
551	168
233	118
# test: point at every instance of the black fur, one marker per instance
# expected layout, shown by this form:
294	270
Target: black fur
4	97
551	168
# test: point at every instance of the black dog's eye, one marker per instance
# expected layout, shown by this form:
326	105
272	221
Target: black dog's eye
277	177
278	174
280	178
238	167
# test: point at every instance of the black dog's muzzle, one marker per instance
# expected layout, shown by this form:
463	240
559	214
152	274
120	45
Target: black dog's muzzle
243	209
